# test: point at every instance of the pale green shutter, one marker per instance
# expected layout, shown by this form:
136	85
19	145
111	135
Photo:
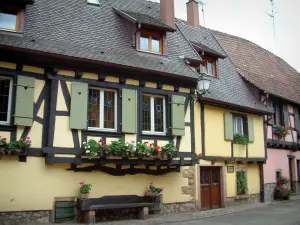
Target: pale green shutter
228	126
286	119
297	119
251	129
129	111
178	112
79	104
24	101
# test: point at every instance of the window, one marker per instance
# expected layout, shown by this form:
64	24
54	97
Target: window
278	174
241	182
5	100
95	2
11	19
151	42
153	114
209	67
238	125
102	109
277	113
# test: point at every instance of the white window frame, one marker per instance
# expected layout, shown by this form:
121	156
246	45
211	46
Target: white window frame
153	132
101	114
93	3
7	122
235	124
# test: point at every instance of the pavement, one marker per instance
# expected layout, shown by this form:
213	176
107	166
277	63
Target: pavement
276	213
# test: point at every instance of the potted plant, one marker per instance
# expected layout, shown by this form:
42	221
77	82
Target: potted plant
169	149
85	190
197	158
281	131
281	192
18	147
155	194
3	146
240	139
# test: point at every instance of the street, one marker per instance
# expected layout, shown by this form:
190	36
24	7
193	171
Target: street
287	213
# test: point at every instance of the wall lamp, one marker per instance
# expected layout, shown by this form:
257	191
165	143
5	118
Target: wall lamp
202	88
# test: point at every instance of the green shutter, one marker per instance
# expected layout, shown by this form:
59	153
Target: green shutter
286	119
178	114
129	111
79	103
251	129
64	211
297	119
228	126
24	101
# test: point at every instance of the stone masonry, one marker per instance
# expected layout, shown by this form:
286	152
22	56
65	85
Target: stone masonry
191	188
25	217
241	200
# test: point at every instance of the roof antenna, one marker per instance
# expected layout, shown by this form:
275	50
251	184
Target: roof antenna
272	15
202	4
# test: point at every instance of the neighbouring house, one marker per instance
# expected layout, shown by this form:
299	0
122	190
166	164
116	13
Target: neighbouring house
75	71
231	118
279	86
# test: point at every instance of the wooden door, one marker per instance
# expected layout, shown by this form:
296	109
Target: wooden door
210	188
291	174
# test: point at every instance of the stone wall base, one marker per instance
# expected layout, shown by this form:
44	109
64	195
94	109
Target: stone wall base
297	187
241	200
179	207
25	217
269	192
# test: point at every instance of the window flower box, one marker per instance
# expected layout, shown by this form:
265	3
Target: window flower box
19	147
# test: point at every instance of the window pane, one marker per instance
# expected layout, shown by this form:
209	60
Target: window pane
155	44
93	2
144	43
159	114
109	109
210	67
205	176
94	108
8	21
4	99
203	69
238	125
146	110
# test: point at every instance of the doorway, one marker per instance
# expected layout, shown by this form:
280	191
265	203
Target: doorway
291	174
210	184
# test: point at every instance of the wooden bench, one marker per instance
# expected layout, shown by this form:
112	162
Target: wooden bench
87	207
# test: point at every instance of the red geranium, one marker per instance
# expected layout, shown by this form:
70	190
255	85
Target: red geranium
157	148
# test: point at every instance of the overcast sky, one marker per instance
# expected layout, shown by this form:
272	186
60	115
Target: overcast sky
249	19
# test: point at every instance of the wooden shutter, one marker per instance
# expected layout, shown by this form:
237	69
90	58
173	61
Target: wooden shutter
297	119
24	101
251	129
286	119
129	111
228	126
178	114
271	117
79	104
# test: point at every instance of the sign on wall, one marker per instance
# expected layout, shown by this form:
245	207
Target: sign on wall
230	169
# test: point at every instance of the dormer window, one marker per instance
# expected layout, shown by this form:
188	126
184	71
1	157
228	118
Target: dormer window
151	42
11	19
94	2
209	67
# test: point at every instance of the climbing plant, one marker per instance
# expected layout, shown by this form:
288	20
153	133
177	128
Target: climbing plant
242	186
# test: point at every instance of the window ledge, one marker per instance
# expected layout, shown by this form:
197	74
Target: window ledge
208	75
151	53
13	33
241	197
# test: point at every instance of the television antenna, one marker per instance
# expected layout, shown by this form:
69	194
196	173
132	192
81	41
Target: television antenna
272	16
202	5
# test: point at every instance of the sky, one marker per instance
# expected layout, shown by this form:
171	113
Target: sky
249	19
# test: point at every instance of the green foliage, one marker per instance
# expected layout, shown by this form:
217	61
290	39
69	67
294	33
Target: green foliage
85	188
155	190
242	186
240	139
91	147
3	143
282	131
169	148
20	144
117	147
197	158
282	181
281	193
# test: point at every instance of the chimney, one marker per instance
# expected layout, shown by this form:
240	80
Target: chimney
167	12
192	13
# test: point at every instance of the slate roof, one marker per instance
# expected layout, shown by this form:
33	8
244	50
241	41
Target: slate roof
229	86
77	29
262	68
145	19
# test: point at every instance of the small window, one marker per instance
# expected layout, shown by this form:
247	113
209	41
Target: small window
153	114
209	67
5	100
95	2
151	42
241	182
102	109
238	125
278	175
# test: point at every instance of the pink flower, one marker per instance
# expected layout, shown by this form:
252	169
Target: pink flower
162	189
151	184
81	183
28	141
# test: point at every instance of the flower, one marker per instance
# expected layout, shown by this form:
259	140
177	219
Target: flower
200	154
84	143
3	139
161	189
151	184
157	148
28	141
151	145
81	183
106	147
87	151
85	147
103	142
